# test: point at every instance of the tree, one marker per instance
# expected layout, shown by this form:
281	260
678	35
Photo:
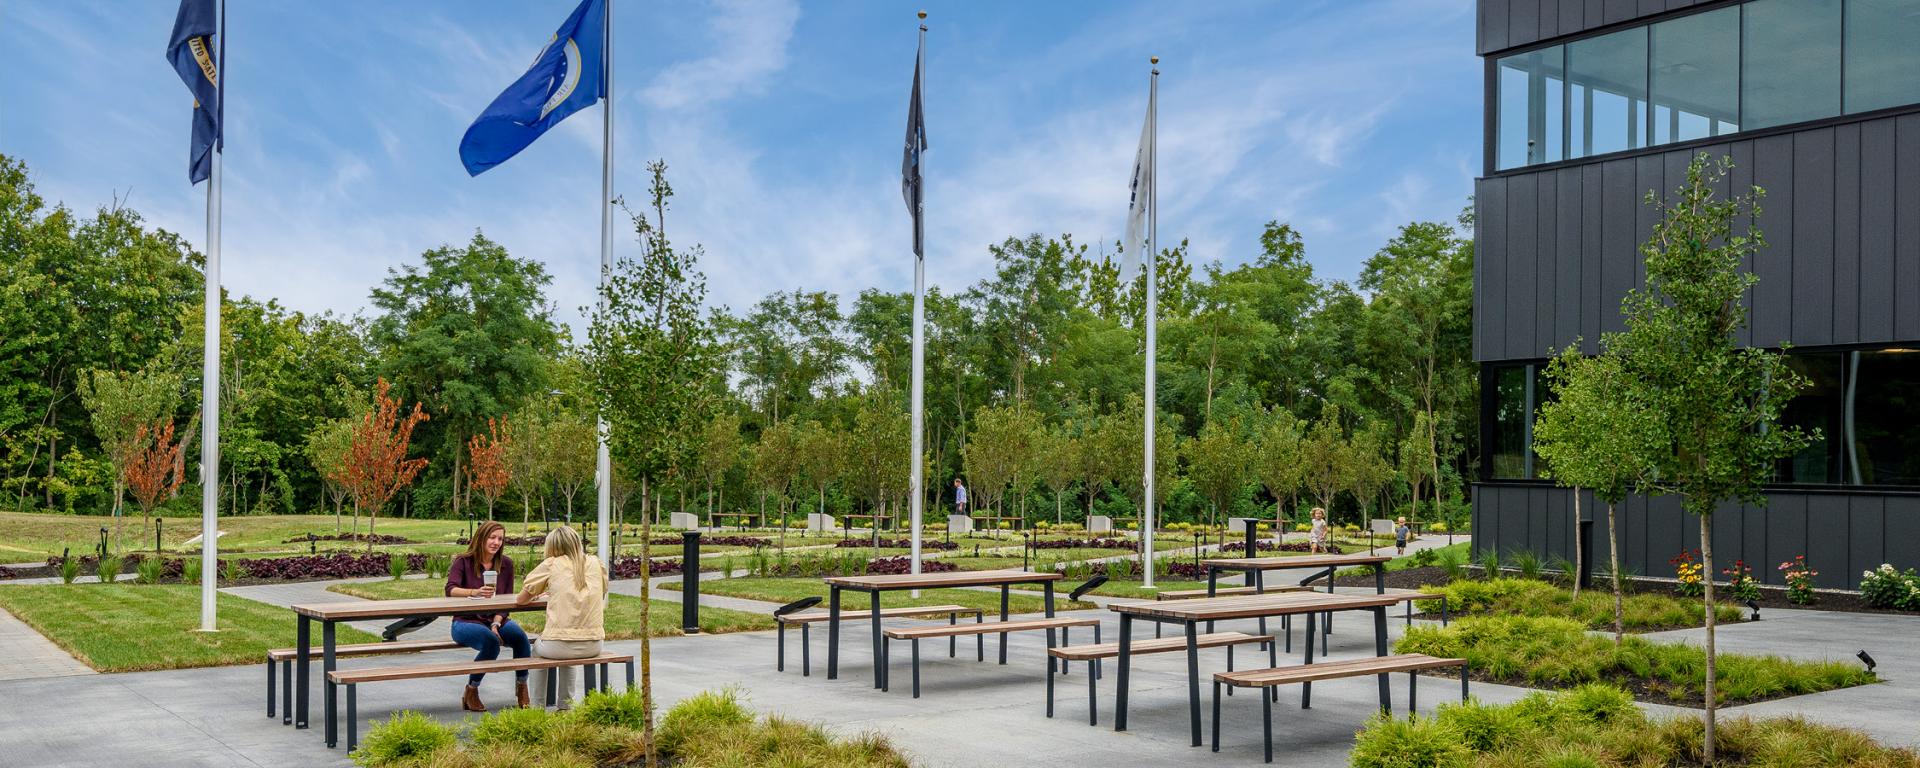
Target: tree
1220	462
572	455
488	470
329	446
1364	470
152	474
1058	456
776	464
820	449
1720	402
654	360
719	452
1417	463
123	406
378	461
1320	456
997	451
878	449
1278	465
1093	455
1594	434
526	461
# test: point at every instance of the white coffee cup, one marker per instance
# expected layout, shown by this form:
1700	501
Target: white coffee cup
489	578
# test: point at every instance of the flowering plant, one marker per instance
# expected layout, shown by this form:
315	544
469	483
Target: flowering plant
1688	572
1799	580
1886	587
1740	581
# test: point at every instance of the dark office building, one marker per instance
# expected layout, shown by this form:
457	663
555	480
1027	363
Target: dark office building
1590	104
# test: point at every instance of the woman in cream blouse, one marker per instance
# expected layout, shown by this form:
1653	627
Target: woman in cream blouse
576	590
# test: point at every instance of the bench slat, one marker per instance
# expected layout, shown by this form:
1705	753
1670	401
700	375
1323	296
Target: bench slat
1183	594
382	674
810	616
1307	673
989	628
1157	645
368	649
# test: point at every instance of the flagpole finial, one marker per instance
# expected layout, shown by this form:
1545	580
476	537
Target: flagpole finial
1153	60
923	15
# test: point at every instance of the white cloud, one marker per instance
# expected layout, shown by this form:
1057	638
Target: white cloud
750	39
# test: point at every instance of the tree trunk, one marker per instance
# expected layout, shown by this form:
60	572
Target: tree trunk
1619	606
1706	583
1579	553
646	616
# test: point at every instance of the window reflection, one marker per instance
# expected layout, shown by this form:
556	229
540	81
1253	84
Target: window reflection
1531	89
1798	78
1694	73
1818	407
1885	407
1882	56
1509	449
1607	93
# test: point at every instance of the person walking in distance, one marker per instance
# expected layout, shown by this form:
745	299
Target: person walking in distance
1400	533
959	497
1317	535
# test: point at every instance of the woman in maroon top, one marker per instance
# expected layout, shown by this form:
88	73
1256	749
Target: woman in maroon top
486	632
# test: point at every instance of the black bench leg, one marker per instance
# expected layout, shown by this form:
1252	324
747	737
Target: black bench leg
879	667
1193	680
1003	617
1380	646
1273	660
1259	586
806	651
552	694
1050	685
1094	665
1216	714
593	677
1413	694
326	664
1066	638
1093	692
980	641
353	719
1306	689
1463	682
286	692
1266	725
916	667
270	686
780	656
1229	668
629	674
953	641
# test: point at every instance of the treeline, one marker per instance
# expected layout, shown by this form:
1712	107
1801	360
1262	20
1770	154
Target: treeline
1034	378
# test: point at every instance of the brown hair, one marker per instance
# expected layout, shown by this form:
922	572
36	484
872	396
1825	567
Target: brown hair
478	544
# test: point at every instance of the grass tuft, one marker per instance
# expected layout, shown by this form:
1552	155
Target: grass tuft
408	738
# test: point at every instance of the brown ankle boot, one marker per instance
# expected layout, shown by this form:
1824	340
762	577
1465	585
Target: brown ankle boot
520	692
470	701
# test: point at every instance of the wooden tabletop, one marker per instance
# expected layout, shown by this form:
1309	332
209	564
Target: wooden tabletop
1302	561
943	579
424	606
1254	606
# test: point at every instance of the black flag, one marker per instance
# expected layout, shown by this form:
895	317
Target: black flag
910	159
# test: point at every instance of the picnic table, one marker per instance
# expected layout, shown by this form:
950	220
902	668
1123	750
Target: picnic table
329	614
1190	613
846	525
740	517
1256	568
874	585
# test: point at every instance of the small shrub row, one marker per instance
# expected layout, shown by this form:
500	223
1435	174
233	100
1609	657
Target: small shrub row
1598	725
1110	543
888	566
628	567
937	546
1593	609
361	538
1885	587
1270	546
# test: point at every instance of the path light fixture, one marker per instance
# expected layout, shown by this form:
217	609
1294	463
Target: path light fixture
1755	605
1866	659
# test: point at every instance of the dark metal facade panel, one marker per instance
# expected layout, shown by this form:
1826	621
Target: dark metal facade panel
1906	233
1549	20
1841	534
1651	7
1493	25
1523	256
1568	242
1617	11
1619	246
1547	245
1493	313
1592	303
1771	307
1846	293
1742	180
1523	22
1650	176
1876	230
1812	255
1572	16
1504	24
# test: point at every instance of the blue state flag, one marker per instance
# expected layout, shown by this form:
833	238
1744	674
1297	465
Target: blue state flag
191	51
567	76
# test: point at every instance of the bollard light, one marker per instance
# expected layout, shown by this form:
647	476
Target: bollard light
1866	659
1755	605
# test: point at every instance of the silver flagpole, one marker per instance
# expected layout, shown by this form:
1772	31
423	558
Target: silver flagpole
1153	297
916	507
210	360
603	458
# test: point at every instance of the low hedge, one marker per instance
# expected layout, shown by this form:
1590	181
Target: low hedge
1559	653
1594	608
1598	725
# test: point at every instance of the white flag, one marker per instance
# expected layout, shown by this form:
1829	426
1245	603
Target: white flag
1142	181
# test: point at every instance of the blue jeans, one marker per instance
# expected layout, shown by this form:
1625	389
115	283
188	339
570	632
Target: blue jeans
479	638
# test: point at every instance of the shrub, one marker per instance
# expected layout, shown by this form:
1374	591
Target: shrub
623	710
1799	580
1416	742
69	569
1528	564
1484	728
1741	585
527	727
1490	563
1454	563
701	714
108	568
1425	557
408	737
235	571
1885	587
149	570
396	565
190	570
1594	608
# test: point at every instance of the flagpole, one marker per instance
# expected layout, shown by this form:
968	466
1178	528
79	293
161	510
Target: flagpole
1153	299
917	505
603	458
210	359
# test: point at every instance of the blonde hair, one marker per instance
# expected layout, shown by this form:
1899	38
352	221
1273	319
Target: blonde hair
565	542
1319	512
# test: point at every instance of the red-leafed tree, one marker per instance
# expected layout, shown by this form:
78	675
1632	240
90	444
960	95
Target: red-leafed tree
487	468
377	465
152	473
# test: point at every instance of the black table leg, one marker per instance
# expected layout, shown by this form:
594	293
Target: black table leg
1380	649
326	668
1003	617
1259	579
1125	660
1380	578
1306	689
303	637
879	667
833	633
1049	597
1193	678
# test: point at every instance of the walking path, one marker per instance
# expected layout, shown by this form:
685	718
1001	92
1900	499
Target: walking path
25	654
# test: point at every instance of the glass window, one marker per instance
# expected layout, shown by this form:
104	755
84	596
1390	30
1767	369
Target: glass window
1817	407
1509	449
1530	120
1884	405
1695	76
1882	56
1607	93
1793	62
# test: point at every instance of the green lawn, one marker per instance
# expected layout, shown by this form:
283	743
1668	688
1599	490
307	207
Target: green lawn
789	589
131	627
31	536
623	611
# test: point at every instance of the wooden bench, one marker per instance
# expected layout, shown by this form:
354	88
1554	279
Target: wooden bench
1306	674
285	657
352	678
807	618
1286	622
1001	628
1092	654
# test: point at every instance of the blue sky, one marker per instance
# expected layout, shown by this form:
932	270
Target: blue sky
781	122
